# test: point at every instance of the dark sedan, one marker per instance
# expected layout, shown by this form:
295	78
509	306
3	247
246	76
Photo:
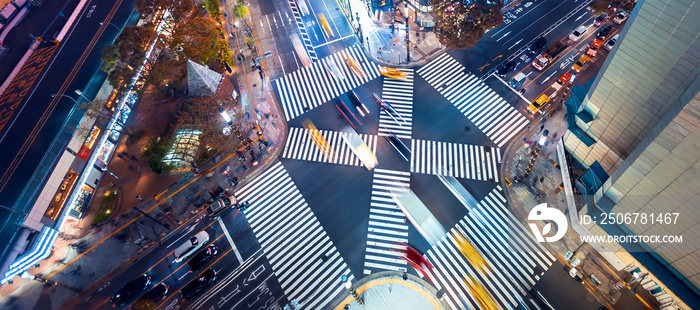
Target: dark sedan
130	290
398	146
201	259
538	45
507	67
197	285
605	32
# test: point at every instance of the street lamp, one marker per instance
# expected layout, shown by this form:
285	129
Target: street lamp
71	98
80	93
115	26
353	292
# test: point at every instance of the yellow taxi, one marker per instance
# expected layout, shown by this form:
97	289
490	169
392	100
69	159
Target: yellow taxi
471	253
581	62
324	25
480	294
538	104
392	73
354	66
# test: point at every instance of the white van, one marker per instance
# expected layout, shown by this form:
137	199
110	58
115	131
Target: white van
191	246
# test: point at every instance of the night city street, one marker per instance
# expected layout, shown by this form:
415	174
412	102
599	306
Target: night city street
350	154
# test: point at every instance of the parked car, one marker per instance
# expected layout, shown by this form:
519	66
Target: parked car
507	67
620	18
151	298
563	80
195	286
191	246
130	290
578	33
537	45
605	32
594	47
601	19
201	258
609	45
580	63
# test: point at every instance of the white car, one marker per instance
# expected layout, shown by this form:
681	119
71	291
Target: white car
333	68
620	18
191	246
578	33
609	45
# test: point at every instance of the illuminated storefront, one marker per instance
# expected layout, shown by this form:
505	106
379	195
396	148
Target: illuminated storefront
86	148
59	200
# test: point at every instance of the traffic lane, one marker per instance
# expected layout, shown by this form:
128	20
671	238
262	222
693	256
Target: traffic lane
252	285
39	99
547	77
43	19
155	263
557	280
566	21
332	13
339	197
236	225
282	25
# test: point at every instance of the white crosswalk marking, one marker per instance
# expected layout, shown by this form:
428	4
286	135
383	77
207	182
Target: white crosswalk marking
301	146
509	249
293	240
309	87
461	160
387	224
484	107
304	34
399	94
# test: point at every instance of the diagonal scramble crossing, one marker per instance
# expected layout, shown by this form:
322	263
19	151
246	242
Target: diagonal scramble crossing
399	94
508	248
293	239
462	160
479	103
387	224
309	87
301	146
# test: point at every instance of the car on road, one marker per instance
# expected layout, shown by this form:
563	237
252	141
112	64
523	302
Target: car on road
563	80
221	205
620	18
324	25
347	113
392	73
151	298
130	290
191	246
333	68
200	259
354	66
609	45
581	62
594	48
605	32
601	19
203	281
414	258
539	103
507	67
537	45
578	33
517	80
355	100
398	146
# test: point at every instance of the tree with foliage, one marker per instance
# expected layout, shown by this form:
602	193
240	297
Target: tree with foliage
213	9
198	38
610	7
122	59
461	25
203	113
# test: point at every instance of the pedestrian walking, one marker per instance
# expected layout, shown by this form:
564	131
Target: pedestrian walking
133	158
252	65
139	198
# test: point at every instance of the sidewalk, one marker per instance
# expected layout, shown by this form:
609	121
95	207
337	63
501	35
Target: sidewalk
543	184
385	42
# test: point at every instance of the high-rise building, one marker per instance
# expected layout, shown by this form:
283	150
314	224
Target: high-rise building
639	123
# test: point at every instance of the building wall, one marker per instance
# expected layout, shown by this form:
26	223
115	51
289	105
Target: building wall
656	58
663	175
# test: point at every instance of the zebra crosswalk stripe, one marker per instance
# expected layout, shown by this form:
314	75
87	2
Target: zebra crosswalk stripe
304	34
309	87
399	94
495	117
463	161
507	247
300	145
387	224
291	237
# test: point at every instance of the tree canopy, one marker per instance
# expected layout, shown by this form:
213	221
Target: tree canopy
461	25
